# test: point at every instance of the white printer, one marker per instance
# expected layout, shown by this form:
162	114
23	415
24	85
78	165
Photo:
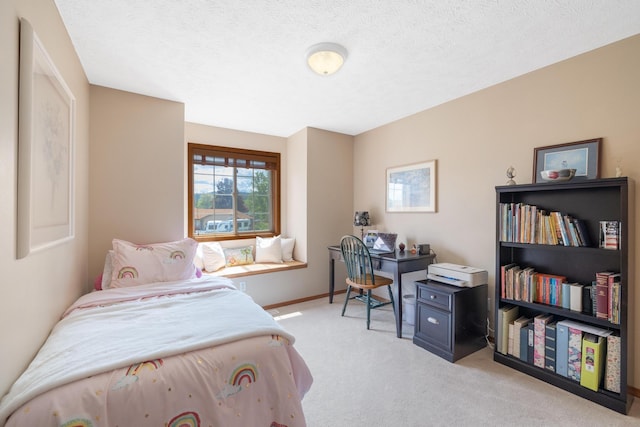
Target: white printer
457	275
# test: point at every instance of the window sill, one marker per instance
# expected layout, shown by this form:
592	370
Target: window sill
258	268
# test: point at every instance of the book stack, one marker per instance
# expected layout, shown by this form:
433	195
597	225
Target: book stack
524	223
581	352
601	298
610	235
525	284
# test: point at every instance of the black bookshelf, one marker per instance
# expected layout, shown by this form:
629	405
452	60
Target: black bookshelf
591	201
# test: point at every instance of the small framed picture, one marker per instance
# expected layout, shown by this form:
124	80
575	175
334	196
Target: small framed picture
412	188
583	156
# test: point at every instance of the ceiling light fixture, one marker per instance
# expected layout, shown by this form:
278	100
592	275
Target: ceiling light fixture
326	58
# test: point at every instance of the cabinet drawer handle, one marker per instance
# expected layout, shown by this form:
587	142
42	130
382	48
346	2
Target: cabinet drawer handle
432	297
433	320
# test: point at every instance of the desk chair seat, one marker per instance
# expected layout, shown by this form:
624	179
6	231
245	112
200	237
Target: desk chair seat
360	275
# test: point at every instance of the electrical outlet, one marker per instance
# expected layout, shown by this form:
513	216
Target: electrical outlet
242	286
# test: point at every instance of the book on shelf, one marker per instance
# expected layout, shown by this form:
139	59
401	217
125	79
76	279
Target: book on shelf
510	340
562	348
549	289
582	231
550	346
602	294
613	298
608	288
517	325
530	342
593	347
587	328
524	343
587	300
612	366
524	223
558	225
566	295
572	230
575	296
503	278
610	234
506	315
574	356
615	304
539	324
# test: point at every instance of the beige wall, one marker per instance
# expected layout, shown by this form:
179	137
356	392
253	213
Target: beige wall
137	172
316	202
35	290
476	138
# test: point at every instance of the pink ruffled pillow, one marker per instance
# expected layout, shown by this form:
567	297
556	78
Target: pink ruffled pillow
158	262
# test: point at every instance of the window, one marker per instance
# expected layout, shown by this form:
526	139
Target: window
233	193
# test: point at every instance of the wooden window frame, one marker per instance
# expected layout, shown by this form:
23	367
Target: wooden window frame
236	153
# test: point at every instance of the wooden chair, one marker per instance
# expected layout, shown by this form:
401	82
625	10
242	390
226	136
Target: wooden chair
360	275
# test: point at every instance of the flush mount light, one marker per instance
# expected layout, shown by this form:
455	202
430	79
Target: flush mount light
326	58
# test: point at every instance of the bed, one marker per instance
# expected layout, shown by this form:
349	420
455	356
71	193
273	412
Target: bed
189	352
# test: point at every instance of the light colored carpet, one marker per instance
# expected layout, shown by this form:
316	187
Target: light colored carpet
371	378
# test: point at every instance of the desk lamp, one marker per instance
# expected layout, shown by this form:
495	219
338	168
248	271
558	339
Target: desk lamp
361	219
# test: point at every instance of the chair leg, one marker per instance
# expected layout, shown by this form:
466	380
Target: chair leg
368	307
393	304
346	300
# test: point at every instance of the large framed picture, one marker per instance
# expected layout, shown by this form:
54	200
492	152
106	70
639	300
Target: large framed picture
412	188
45	150
583	156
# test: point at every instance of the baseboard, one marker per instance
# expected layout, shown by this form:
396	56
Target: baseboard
296	301
633	391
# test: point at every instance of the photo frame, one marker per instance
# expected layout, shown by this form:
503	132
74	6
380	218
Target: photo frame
412	188
583	156
46	123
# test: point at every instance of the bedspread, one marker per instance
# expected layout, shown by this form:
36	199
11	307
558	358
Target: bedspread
188	353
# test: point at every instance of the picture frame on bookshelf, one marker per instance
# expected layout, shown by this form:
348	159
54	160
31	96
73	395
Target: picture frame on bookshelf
412	188
583	156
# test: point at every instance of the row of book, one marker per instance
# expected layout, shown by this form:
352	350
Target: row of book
524	223
580	352
601	298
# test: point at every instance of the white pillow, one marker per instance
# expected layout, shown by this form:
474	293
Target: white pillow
158	262
198	259
108	270
268	249
287	248
212	256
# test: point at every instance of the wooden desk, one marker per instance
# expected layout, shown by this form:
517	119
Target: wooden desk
397	264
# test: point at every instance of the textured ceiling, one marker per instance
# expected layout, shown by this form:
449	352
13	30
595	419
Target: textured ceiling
240	64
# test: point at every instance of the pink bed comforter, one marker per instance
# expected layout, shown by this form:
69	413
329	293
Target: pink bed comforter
192	353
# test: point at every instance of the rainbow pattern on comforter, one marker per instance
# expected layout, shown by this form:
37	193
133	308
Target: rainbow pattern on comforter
239	383
250	381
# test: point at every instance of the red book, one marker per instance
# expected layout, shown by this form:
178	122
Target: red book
602	294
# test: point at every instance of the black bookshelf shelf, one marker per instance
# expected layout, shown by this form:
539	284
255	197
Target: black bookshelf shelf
591	201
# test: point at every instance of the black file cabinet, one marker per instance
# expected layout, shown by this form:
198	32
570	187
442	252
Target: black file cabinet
451	321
